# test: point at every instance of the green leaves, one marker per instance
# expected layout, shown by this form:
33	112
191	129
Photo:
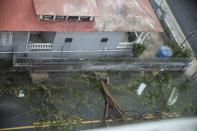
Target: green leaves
138	49
177	51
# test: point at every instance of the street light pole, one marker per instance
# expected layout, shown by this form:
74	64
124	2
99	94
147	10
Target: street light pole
188	37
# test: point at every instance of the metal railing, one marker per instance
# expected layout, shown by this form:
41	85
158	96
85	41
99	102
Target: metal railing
41	46
125	45
101	64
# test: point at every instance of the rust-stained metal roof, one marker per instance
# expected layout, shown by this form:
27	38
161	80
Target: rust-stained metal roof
114	15
66	7
126	15
19	15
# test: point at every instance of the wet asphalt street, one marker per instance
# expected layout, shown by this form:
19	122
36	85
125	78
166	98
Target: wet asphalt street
14	113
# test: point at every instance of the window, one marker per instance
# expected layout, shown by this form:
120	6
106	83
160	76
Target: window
68	40
72	18
47	17
60	18
132	36
104	40
84	18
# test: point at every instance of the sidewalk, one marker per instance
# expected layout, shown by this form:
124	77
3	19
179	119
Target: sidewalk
164	11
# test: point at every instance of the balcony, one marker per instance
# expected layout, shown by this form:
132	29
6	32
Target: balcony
41	41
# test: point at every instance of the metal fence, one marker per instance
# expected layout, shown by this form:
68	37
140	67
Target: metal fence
101	64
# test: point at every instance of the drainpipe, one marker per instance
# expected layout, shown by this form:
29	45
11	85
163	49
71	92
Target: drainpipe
28	36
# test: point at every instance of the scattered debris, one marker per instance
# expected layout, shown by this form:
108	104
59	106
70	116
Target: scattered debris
110	101
79	98
141	88
173	97
21	94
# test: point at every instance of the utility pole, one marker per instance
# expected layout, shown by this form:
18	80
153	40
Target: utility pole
188	37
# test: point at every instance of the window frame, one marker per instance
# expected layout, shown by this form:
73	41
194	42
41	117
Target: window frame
104	40
60	18
48	17
72	18
68	40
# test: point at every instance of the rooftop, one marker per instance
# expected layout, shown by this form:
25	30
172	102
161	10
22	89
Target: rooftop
126	15
113	15
66	7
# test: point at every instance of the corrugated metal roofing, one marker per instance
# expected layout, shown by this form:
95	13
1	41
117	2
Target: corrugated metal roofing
114	15
66	7
126	15
19	15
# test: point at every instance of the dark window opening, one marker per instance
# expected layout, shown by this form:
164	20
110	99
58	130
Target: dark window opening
84	18
68	40
104	40
60	18
73	18
132	36
47	17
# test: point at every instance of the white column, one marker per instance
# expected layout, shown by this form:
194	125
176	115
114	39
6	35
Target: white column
54	17
40	17
79	18
91	18
67	18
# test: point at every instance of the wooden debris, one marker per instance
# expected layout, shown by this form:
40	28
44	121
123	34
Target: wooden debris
110	101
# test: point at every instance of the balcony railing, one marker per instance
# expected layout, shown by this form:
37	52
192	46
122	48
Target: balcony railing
41	46
125	45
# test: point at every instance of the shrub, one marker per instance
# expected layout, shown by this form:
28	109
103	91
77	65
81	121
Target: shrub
138	49
179	52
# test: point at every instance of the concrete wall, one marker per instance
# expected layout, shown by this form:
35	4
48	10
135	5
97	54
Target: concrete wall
19	41
86	44
90	40
89	44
